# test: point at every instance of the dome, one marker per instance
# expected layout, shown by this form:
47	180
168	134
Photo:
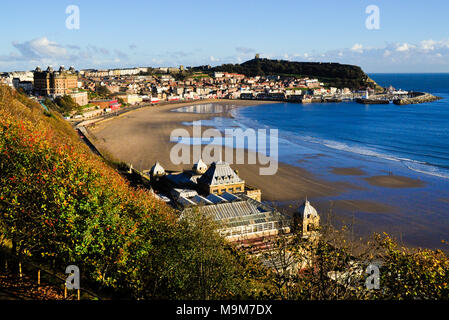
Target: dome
307	211
200	167
157	170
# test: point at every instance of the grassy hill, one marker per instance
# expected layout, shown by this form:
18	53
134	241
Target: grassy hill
60	205
333	74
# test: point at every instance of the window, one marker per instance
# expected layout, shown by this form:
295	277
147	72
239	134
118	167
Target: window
238	189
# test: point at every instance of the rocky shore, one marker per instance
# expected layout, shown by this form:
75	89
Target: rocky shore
418	97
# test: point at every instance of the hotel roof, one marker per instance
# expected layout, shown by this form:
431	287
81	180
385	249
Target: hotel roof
220	173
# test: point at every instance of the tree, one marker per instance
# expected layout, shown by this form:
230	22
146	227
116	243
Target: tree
102	91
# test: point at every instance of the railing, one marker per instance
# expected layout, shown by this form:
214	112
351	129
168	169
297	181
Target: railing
21	269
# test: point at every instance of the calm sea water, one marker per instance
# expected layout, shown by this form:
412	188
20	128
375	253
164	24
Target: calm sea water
410	140
415	135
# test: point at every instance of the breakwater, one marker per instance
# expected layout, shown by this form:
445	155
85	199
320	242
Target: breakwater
372	101
417	97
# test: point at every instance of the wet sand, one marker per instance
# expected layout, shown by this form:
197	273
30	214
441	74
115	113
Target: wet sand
348	171
392	181
363	205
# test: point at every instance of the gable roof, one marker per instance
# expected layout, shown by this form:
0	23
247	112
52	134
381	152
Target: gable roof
157	169
220	173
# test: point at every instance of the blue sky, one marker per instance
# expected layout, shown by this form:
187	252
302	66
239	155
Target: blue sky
413	35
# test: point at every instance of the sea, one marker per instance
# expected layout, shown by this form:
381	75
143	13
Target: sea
409	140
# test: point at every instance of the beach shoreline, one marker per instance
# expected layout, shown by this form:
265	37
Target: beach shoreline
372	199
142	137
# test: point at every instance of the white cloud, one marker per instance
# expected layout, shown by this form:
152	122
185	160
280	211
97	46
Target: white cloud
428	44
245	50
404	47
423	56
357	48
41	48
43	51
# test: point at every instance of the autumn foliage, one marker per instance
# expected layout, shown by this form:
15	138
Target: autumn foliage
63	205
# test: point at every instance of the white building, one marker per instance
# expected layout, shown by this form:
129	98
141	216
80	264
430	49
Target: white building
310	219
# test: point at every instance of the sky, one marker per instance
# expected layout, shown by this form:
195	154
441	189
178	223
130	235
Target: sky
405	35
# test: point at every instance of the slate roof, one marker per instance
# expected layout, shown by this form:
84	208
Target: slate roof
200	167
219	173
157	169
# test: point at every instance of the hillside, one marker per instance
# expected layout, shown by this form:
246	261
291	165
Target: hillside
60	205
332	74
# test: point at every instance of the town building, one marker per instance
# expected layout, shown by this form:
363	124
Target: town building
240	218
130	98
26	86
105	104
51	82
222	194
81	98
220	178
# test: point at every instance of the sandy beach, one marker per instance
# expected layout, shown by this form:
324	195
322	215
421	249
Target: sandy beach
141	138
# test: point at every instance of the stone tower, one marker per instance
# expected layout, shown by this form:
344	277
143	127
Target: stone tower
309	218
